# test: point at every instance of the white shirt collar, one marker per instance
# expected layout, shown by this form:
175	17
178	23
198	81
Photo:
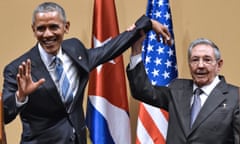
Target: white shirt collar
48	58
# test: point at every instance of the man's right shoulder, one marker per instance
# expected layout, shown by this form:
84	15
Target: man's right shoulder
181	83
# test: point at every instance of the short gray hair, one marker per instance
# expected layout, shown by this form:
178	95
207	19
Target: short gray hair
49	7
206	42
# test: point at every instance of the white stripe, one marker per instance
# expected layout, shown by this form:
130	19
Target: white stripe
117	119
158	118
142	134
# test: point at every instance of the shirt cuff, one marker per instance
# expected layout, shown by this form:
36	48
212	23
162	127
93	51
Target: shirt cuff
19	104
134	60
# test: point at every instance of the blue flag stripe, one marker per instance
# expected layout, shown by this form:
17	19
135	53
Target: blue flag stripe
103	135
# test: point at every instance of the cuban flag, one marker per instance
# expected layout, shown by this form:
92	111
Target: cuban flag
161	67
107	108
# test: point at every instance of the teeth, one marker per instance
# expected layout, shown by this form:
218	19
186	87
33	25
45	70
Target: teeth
48	41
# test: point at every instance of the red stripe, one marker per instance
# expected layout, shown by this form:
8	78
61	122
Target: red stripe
165	113
150	126
137	141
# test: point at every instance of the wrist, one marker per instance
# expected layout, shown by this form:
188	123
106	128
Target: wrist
19	97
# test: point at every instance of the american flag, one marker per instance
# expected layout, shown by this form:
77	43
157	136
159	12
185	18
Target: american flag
161	67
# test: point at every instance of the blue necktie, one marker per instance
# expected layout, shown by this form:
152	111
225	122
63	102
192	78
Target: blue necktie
64	85
196	106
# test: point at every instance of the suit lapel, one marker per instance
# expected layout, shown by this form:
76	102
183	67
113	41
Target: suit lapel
182	102
40	71
213	101
77	54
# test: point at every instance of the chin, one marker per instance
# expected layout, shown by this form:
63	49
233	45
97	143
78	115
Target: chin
200	81
51	52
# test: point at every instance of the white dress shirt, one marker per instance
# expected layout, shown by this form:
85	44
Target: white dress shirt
207	89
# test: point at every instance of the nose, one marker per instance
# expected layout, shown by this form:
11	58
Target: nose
200	63
48	33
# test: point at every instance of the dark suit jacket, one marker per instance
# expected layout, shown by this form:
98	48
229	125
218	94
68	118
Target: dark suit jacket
45	119
217	123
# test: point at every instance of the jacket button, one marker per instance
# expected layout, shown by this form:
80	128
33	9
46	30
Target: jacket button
72	138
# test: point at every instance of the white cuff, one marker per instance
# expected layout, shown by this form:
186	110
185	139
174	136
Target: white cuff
134	60
19	104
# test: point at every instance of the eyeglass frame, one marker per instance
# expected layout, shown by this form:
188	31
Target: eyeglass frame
205	61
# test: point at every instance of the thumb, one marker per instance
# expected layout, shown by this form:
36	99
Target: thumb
39	82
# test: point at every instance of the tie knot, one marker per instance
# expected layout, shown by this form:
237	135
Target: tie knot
198	91
58	60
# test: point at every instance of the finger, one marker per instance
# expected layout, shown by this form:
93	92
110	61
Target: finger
20	71
18	80
131	27
166	35
170	42
28	67
23	68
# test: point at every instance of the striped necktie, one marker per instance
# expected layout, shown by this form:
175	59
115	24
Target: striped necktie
63	83
196	106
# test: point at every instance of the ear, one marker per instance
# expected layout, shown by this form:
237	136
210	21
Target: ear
33	29
220	64
66	27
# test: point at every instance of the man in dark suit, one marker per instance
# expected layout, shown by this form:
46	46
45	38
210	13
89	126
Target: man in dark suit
33	89
218	121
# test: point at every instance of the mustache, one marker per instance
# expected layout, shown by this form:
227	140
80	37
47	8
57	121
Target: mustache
201	71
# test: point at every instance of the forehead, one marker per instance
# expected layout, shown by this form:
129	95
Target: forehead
47	16
50	13
202	50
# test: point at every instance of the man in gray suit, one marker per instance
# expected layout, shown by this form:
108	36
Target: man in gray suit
217	122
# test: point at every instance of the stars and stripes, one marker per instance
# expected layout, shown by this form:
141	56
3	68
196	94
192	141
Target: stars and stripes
161	67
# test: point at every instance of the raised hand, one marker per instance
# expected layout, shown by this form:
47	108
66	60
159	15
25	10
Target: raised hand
24	81
161	30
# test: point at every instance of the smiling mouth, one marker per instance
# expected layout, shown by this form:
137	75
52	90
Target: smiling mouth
201	75
49	42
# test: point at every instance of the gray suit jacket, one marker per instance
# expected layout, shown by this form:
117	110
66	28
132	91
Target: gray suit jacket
44	117
217	123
